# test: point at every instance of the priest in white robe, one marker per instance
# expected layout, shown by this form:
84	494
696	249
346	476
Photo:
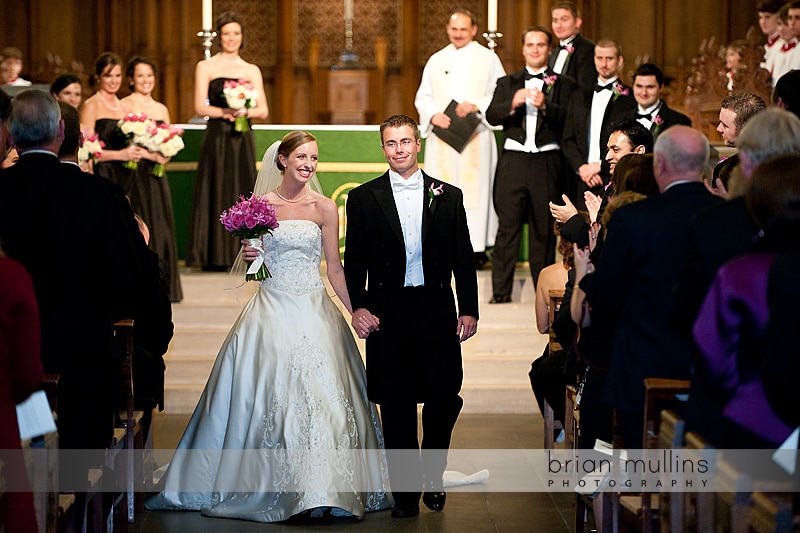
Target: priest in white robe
466	72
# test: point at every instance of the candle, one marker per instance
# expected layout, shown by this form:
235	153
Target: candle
348	9
207	15
492	18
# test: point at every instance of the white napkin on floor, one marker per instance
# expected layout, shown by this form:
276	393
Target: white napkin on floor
452	478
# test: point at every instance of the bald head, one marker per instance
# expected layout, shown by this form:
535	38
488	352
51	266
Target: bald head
681	154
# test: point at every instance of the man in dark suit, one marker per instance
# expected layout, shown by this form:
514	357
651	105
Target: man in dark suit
407	234
651	111
574	55
644	249
531	105
589	117
69	234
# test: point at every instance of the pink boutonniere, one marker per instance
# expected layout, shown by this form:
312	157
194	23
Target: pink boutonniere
548	82
433	192
620	90
657	120
569	48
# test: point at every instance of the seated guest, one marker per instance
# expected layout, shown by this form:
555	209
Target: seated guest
730	327
20	375
68	88
85	281
547	372
736	109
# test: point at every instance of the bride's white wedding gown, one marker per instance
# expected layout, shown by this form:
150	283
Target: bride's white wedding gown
284	424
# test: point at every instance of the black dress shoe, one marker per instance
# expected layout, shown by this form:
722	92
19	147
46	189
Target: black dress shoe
405	511
500	299
434	500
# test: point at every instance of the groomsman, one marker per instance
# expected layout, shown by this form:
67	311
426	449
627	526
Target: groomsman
589	117
531	106
651	111
573	56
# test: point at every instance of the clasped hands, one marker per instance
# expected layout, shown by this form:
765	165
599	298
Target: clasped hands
462	110
232	114
523	96
364	323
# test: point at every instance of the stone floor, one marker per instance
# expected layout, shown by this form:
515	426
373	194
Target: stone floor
499	414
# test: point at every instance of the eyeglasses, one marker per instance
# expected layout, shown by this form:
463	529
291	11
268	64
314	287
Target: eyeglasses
392	145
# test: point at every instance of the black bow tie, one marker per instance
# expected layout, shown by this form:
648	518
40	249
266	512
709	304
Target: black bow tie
529	76
598	88
648	116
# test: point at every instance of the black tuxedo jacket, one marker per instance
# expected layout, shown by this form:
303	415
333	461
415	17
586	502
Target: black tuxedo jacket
644	249
72	233
580	64
550	123
409	359
669	117
576	129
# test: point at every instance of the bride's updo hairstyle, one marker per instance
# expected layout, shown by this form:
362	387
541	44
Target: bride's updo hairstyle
227	18
290	142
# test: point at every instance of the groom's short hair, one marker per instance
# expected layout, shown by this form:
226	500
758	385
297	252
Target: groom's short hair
398	121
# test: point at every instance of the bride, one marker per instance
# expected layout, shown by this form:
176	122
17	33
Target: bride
284	426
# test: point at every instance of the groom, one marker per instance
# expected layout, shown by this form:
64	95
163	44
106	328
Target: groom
407	233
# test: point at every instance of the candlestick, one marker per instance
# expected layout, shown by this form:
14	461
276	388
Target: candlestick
207	24
492	18
348	9
208	41
491	38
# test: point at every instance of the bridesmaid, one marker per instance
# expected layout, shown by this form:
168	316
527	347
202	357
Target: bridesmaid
68	88
226	166
100	114
150	195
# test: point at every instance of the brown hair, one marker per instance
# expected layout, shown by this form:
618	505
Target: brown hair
398	121
635	172
774	192
227	18
572	7
291	142
105	62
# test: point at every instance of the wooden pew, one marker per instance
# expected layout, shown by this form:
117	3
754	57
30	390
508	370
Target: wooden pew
671	436
642	511
771	513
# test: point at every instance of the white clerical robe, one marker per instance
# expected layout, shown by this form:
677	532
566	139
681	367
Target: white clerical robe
465	74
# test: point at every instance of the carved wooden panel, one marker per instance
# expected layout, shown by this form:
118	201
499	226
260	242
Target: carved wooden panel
260	32
325	21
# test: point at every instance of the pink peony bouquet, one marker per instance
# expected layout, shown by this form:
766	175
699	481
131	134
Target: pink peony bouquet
134	127
91	148
240	94
165	139
250	218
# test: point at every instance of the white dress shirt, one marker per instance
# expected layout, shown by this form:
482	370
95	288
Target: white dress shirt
600	102
408	199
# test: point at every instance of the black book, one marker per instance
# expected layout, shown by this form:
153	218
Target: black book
460	130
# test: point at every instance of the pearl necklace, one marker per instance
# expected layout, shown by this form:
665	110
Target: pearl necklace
116	108
282	197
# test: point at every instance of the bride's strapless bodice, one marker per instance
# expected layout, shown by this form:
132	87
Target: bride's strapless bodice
292	254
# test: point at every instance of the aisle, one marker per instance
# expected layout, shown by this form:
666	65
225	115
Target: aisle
496	360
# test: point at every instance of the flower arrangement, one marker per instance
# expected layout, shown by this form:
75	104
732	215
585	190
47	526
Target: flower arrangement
134	127
620	90
250	218
433	192
166	140
240	94
91	148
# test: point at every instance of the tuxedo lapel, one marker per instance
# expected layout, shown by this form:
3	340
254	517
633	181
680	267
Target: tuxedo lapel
385	199
429	205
